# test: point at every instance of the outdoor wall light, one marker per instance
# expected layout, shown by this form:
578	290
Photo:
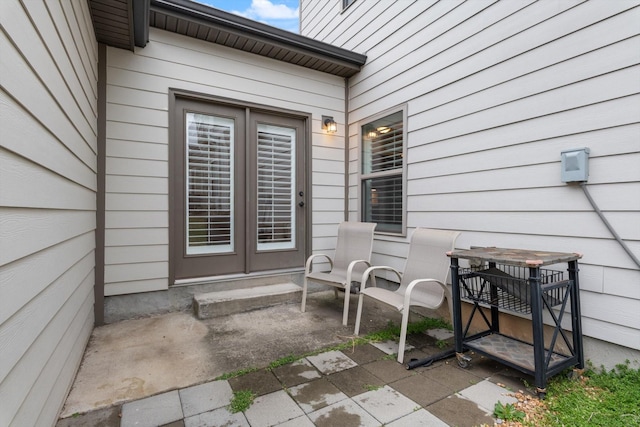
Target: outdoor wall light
329	124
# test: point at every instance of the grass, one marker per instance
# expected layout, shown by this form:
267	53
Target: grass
604	398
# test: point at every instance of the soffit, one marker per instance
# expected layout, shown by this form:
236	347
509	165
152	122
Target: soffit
113	22
216	26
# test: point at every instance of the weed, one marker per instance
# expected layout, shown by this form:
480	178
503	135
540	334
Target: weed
237	373
371	387
507	412
241	401
284	361
441	344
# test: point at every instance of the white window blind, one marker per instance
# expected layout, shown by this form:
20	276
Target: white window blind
382	172
210	190
276	188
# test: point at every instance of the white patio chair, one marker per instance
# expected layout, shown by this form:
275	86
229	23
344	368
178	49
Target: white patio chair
352	257
424	282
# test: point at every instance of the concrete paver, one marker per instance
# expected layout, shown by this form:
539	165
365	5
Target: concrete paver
419	418
422	389
388	370
344	413
355	381
458	411
451	377
391	347
296	373
486	394
272	409
259	382
386	404
316	395
218	417
331	362
152	411
205	397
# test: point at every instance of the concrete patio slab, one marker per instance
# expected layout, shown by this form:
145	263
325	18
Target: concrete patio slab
133	359
361	385
153	411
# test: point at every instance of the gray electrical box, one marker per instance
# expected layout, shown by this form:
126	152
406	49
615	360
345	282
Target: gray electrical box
575	165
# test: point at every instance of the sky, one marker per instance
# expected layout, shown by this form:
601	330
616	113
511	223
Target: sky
278	13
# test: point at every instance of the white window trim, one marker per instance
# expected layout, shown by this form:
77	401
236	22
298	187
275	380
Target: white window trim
362	176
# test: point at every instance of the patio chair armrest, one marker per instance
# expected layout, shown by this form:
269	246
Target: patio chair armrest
351	266
416	282
368	271
309	264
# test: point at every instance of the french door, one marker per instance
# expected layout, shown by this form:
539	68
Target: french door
238	190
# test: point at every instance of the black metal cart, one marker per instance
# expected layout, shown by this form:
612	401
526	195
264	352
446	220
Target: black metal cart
513	280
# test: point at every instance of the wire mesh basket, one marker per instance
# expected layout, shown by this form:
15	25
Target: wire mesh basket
507	287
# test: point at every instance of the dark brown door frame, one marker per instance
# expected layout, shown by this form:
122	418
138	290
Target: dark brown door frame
175	129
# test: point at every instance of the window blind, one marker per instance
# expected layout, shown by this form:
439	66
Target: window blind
210	190
275	187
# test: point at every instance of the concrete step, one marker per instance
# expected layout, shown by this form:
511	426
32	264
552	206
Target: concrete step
223	303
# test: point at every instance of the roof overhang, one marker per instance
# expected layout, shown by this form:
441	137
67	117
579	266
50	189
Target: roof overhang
125	24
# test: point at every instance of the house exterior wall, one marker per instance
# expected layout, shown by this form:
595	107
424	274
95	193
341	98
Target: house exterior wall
137	146
494	92
48	102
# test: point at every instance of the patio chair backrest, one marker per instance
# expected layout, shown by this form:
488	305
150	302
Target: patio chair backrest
427	259
355	241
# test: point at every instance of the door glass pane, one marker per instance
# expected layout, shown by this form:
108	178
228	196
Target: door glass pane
276	188
210	192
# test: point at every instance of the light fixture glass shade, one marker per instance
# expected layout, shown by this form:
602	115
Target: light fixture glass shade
329	124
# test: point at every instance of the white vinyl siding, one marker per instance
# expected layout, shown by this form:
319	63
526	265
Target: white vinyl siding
494	92
48	108
138	136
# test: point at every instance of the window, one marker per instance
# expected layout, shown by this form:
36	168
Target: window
209	170
382	177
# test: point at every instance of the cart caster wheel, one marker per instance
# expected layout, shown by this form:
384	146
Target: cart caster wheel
542	393
463	361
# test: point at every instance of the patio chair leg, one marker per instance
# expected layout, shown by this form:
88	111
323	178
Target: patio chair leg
303	306
347	294
403	334
358	314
